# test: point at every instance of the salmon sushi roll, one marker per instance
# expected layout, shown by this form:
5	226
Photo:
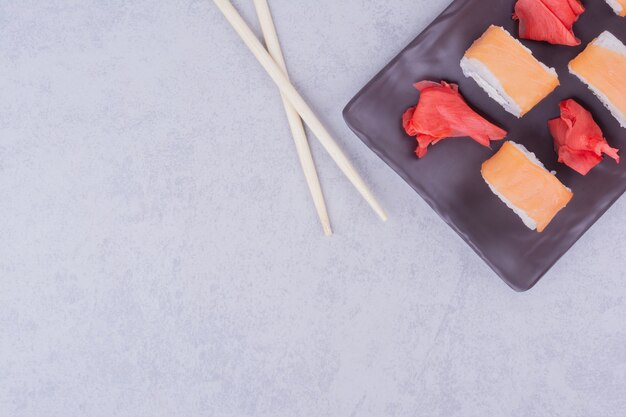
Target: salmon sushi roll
521	181
602	66
508	71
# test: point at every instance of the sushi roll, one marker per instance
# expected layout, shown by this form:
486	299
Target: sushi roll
602	66
521	181
619	6
508	71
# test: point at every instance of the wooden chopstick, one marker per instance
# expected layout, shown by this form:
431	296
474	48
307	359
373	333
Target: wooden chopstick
309	117
295	123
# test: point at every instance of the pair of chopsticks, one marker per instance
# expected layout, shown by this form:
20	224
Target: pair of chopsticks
296	108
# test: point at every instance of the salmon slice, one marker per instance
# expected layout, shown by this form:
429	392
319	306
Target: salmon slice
602	66
548	20
508	71
619	6
578	139
521	181
443	113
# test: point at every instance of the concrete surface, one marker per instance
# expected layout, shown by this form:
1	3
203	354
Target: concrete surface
160	255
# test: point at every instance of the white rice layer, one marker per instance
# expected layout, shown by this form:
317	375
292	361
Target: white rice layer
617	8
609	41
473	68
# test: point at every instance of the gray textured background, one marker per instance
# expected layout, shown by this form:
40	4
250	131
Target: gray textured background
160	256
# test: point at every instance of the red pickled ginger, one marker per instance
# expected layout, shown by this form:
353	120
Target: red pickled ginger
548	20
443	113
578	139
